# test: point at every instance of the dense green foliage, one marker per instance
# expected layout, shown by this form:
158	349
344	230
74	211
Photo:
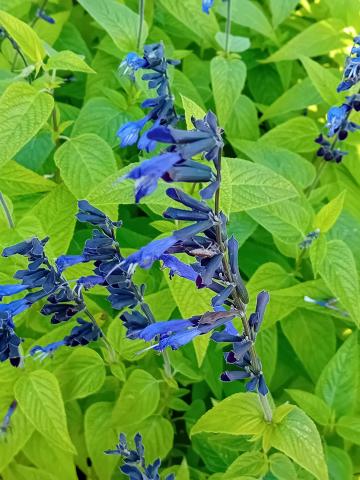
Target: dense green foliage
58	121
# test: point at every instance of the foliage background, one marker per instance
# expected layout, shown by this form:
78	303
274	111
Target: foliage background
271	97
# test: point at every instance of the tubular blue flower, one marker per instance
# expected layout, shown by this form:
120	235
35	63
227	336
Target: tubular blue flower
8	290
33	249
9	341
5	424
134	460
206	138
81	334
233	248
147	174
121	297
66	261
40	13
129	133
256	319
189	171
134	323
179	268
352	68
176	333
309	239
147	255
206	5
328	151
337	119
94	216
131	64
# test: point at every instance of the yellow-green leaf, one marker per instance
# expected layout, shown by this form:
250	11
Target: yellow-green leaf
68	60
326	218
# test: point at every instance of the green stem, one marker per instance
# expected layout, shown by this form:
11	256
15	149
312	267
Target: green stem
239	305
141	22
6	211
109	347
228	28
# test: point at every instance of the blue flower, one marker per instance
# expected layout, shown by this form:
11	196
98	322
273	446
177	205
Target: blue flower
65	261
176	333
206	5
81	334
134	460
328	151
206	138
147	174
147	255
131	64
9	341
8	290
94	216
134	323
40	13
256	318
177	267
337	119
129	133
352	68
5	424
233	248
189	171
32	249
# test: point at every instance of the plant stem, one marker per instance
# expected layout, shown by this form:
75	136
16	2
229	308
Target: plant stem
149	315
109	347
141	22
240	307
6	211
228	28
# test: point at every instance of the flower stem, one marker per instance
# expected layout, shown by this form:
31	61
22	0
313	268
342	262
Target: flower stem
240	307
141	22
109	347
228	28
6	211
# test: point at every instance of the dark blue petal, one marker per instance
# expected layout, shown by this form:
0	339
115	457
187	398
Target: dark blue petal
66	261
164	328
178	268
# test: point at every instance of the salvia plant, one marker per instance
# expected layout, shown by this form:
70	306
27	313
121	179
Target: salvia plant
179	257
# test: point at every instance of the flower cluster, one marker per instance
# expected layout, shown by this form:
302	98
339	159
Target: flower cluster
162	107
176	164
240	356
352	68
134	460
338	123
206	241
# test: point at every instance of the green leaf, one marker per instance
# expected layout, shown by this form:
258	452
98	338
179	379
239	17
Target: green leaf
158	436
338	271
318	253
296	436
84	162
318	39
248	14
282	467
284	162
228	79
188	13
81	374
296	134
239	414
314	406
281	9
17	180
267	348
298	97
191	110
68	60
191	301
328	215
117	20
255	186
348	427
25	37
138	399
23	111
313	339
23	472
338	382
286	220
100	436
339	463
39	398
244	122
56	215
248	463
323	80
101	117
236	44
21	431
